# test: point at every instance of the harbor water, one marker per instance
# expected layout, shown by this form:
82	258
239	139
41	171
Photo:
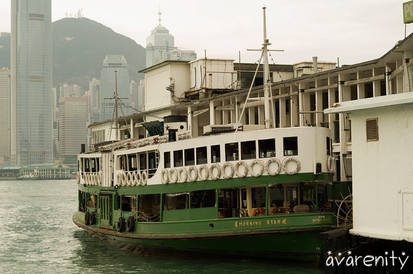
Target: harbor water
37	235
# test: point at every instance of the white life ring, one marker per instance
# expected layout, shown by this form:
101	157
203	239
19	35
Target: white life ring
134	178
273	166
215	171
124	178
241	169
192	174
203	172
227	170
257	168
164	176
130	178
173	175
330	163
119	179
138	178
291	166
183	175
144	177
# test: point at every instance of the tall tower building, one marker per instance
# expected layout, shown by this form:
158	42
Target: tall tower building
160	46
72	127
111	64
5	115
31	82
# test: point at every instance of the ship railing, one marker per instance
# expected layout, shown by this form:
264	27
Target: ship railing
91	178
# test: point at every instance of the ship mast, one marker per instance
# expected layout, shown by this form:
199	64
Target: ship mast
266	75
115	110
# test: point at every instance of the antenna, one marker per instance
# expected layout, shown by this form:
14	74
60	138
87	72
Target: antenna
116	99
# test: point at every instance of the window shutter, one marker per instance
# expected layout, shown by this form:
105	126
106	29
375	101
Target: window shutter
372	130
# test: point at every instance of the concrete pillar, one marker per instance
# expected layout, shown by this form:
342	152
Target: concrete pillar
132	135
282	112
189	110
211	113
407	76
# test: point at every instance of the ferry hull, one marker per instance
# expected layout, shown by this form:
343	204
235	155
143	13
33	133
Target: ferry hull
292	244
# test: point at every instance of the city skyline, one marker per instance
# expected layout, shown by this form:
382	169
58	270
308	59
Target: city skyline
328	29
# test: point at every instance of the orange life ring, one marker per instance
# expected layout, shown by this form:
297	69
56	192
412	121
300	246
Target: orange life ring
155	140
255	212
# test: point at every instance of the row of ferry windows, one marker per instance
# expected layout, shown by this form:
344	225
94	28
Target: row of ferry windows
89	165
198	156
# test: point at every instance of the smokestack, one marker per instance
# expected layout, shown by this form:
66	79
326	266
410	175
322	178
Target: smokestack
315	64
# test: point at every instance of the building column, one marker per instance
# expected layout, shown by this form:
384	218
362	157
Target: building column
282	112
211	113
361	93
190	120
387	77
300	105
293	108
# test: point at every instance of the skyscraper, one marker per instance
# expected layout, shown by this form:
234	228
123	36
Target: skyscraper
72	127
31	75
5	115
160	46
111	64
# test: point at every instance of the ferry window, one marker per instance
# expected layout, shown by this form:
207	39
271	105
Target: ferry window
258	197
290	146
91	202
328	144
82	201
204	198
322	196
276	196
93	164
87	167
201	155
372	130
248	150
292	197
167	159
142	161
149	208
266	148
215	154
228	203
153	163
128	203
97	164
132	162
307	195
176	201
231	152
189	157
178	158
122	160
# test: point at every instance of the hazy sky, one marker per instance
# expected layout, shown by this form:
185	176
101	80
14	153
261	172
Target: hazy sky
354	30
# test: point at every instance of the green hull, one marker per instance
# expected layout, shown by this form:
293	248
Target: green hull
300	244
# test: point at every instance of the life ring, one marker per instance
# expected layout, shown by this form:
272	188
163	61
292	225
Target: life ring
215	171
121	224
273	166
203	172
129	175
255	212
130	224
241	169
155	140
164	176
291	166
173	175
192	174
330	163
138	178
119	179
134	178
257	168
183	175
227	170
144	177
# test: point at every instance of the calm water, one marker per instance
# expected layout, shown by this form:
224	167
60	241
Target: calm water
37	236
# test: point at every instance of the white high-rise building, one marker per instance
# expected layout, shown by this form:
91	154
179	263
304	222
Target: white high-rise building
160	46
112	64
31	82
5	115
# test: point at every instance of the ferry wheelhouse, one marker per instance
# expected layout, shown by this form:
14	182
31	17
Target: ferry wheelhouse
256	193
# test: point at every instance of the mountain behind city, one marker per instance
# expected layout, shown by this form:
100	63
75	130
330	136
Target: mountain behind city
79	47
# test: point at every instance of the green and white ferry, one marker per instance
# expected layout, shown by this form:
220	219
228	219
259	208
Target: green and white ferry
258	193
